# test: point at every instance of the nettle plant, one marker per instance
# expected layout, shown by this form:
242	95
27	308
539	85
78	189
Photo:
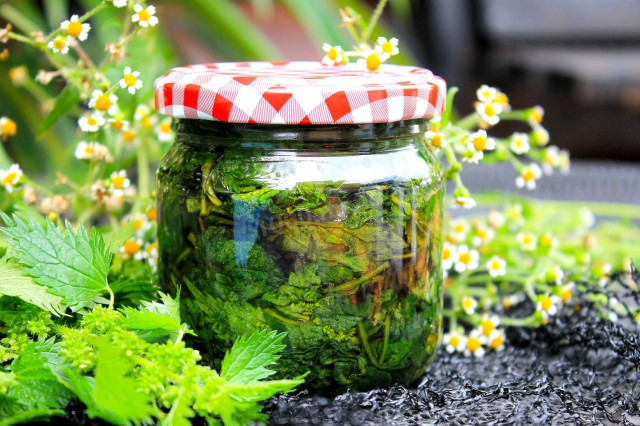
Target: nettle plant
81	317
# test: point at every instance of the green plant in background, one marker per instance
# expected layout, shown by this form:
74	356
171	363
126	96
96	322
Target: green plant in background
80	315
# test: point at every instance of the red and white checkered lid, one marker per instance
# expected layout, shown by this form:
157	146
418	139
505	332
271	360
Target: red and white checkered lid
299	93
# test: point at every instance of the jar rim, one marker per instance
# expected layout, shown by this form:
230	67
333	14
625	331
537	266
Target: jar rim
299	93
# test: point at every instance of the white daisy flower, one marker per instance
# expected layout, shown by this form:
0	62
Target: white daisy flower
479	141
76	29
119	182
8	128
118	124
488	324
448	255
565	292
555	275
164	131
547	305
496	219
539	136
91	122
465	202
59	45
474	344
528	176
152	254
334	54
12	177
140	224
104	102
483	235
93	151
388	47
469	305
119	3
513	213
454	342
130	80
435	140
527	240
496	340
548	240
513	300
486	93
535	115
564	161
144	16
519	143
489	112
373	60
466	260
497	266
132	248
459	229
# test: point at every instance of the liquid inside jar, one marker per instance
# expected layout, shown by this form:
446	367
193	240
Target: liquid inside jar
334	241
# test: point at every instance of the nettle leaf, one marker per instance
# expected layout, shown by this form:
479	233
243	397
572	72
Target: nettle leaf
248	359
71	264
15	283
65	102
158	319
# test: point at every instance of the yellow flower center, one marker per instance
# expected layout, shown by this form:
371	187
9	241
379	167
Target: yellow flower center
117	124
528	175
131	247
152	214
92	121
545	303
137	225
566	295
152	247
387	47
464	258
144	15
373	62
502	99
487	327
547	240
454	341
118	182
480	143
88	150
165	127
489	111
130	80
9	128
436	140
486	93
103	102
74	29
496	342
9	178
332	54
59	44
146	122
446	254
473	344
128	135
482	234
459	228
536	116
467	304
526	239
495	265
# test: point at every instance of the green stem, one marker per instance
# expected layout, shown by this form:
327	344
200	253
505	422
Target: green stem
468	122
375	17
22	39
385	342
112	296
179	338
280	317
350	285
365	344
83	18
40	188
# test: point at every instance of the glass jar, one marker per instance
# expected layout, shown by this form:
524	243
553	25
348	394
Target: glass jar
328	232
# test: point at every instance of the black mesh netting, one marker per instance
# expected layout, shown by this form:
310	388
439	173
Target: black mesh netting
579	369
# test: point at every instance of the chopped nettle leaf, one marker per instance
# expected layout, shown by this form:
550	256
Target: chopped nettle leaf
71	264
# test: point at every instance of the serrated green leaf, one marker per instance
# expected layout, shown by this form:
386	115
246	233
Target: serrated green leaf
157	319
249	357
15	283
65	102
71	265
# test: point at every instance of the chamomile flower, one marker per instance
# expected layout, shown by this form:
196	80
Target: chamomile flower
119	3
519	143
565	292
540	136
535	115
454	342
164	131
486	93
436	140
91	122
459	229
528	176
469	305
496	339
497	266
489	112
119	182
334	54
59	45
464	202
140	224
388	47
151	213
144	16
93	151
448	255
547	306
104	102
482	235
513	214
474	344
513	300
555	275
76	29
8	128
550	160
564	161
132	248
151	254
478	142
128	135
466	259
527	241
488	324
548	240
130	80
503	100
144	116
12	177
373	60
118	124
496	219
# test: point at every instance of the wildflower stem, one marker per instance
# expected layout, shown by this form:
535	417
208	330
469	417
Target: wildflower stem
40	188
375	17
23	39
83	18
179	337
112	296
468	122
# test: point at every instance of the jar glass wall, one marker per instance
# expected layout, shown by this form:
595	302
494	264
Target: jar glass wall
329	233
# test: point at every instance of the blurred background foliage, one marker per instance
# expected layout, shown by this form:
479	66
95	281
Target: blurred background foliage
192	31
